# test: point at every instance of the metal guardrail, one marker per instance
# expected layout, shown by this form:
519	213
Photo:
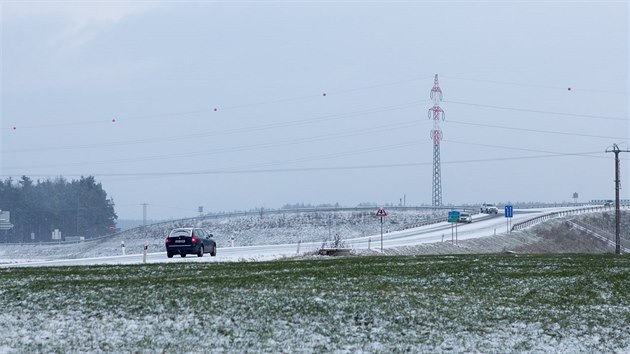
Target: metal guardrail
427	222
538	219
599	234
62	242
581	224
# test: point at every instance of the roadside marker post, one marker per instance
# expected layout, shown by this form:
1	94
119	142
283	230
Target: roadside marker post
122	245
381	213
298	248
144	254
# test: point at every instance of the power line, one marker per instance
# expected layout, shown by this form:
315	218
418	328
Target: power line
384	84
315	169
311	121
539	111
299	141
379	148
512	83
319	95
224	150
218	108
334	155
262	127
528	150
290	99
536	130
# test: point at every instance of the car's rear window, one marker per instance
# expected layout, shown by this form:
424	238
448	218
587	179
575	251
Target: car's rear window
179	232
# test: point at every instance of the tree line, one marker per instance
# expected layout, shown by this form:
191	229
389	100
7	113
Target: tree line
76	208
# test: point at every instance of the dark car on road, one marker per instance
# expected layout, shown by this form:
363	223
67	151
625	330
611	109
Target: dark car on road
190	240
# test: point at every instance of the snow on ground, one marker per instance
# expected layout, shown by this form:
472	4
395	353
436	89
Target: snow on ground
276	235
425	309
440	304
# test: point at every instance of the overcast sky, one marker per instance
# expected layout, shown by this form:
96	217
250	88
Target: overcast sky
233	105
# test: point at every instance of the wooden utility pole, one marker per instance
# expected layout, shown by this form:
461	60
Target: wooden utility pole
616	150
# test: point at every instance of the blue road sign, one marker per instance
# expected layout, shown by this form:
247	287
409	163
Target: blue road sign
508	211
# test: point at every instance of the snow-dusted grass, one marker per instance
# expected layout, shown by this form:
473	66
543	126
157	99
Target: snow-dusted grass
462	303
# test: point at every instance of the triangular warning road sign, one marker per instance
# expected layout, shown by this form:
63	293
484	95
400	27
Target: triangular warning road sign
381	212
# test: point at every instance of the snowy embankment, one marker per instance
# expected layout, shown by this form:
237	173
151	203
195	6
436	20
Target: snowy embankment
269	236
239	231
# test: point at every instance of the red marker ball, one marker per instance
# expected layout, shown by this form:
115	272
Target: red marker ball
14	128
113	120
216	109
324	94
569	89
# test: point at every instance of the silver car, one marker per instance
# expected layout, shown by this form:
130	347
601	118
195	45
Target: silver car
489	208
465	217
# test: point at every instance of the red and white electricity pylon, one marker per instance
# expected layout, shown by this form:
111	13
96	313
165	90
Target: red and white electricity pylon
436	113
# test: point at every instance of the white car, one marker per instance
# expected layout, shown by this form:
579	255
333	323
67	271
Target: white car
465	217
489	208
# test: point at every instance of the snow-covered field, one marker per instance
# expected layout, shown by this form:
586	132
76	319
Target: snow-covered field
441	303
436	304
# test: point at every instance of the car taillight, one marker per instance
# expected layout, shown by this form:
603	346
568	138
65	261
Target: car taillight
194	240
166	241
